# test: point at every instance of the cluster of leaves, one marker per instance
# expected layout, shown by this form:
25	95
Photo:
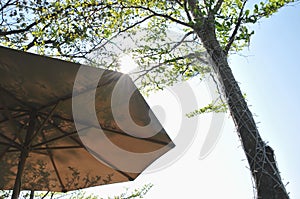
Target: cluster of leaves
162	56
233	20
165	57
211	107
70	29
5	194
80	194
163	62
73	29
137	193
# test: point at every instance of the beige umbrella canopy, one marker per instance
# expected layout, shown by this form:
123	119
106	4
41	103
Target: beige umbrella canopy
59	137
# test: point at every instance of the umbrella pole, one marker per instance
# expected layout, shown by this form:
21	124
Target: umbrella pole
31	194
24	155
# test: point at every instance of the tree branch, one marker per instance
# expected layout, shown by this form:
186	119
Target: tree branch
45	194
34	41
218	6
161	15
7	4
19	30
190	55
187	11
236	28
137	23
181	41
124	30
179	2
51	15
195	9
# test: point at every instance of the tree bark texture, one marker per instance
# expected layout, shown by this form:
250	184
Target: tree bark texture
260	156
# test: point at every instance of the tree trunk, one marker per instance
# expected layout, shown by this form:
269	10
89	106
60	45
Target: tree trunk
260	156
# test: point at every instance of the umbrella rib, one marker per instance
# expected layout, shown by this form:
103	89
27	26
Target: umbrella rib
71	95
57	147
54	139
8	144
46	148
12	96
18	133
5	150
39	152
115	131
97	155
53	164
66	97
45	121
17	116
56	171
65	134
11	120
14	110
110	164
60	117
125	134
11	141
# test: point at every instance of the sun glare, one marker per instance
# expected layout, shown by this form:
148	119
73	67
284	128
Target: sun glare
127	64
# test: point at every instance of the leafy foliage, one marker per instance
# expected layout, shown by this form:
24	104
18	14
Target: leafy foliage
74	28
57	28
216	108
77	29
80	194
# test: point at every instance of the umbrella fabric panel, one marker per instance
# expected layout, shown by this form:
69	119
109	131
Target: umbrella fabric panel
39	91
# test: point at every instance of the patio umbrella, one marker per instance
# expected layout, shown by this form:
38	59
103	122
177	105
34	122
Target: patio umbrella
49	139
